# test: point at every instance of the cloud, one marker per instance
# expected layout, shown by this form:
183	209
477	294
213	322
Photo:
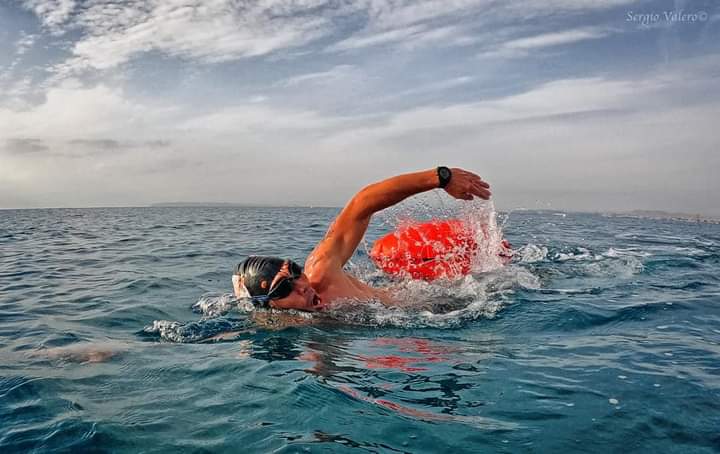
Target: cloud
104	144
557	138
334	74
408	38
25	145
111	34
375	38
17	88
21	85
412	24
520	47
114	145
585	143
52	13
556	38
97	112
208	31
424	89
24	43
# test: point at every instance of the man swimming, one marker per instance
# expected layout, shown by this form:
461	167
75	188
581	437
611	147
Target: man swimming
276	283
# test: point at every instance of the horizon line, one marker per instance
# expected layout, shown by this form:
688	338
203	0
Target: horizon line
636	211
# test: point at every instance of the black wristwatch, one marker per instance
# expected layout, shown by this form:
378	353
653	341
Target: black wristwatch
444	175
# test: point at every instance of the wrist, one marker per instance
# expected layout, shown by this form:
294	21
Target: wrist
444	175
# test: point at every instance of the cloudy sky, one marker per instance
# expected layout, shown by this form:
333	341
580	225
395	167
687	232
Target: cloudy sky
561	104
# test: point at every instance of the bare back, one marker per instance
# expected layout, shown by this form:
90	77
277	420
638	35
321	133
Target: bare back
332	283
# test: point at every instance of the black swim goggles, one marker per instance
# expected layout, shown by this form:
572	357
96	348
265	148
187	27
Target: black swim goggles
282	288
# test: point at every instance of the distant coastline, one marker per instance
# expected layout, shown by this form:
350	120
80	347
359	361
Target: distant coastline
230	205
658	214
201	204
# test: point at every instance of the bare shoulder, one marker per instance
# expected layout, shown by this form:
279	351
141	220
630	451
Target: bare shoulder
321	266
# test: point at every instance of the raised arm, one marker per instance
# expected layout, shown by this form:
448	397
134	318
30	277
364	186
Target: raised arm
347	230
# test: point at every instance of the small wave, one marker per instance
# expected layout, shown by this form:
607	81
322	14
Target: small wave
614	262
531	253
672	240
621	267
579	253
619	252
193	331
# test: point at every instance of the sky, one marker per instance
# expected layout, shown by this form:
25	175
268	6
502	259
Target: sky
561	104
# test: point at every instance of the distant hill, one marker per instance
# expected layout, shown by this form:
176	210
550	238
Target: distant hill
658	214
201	204
229	205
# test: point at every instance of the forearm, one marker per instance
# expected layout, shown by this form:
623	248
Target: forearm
387	193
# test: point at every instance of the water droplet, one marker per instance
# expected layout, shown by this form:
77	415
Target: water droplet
622	377
614	401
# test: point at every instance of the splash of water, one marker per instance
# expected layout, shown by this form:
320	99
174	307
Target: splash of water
442	303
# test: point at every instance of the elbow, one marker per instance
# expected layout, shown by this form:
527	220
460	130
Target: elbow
361	205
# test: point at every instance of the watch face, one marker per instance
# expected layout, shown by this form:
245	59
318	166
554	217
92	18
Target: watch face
444	173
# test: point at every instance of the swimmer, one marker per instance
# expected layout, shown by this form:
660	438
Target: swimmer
277	283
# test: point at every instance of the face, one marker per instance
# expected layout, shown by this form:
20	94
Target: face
303	297
298	293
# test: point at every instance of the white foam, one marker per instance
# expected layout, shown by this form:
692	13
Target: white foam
620	252
437	304
216	304
531	253
581	254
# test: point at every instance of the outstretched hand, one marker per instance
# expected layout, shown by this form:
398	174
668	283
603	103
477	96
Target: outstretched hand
466	185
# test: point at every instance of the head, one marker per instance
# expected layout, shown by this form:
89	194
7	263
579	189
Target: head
276	283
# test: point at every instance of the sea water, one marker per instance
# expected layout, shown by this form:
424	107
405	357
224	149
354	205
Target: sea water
118	333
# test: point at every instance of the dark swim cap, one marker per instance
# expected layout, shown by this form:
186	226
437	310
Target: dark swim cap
256	269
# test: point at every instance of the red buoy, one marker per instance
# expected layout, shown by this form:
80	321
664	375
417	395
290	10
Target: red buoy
427	251
432	250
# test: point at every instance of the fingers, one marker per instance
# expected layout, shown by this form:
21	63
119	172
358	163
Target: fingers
472	176
479	181
481	191
466	185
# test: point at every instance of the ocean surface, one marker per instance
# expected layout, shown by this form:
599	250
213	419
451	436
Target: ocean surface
118	333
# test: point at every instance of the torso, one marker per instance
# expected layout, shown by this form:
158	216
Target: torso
343	285
332	285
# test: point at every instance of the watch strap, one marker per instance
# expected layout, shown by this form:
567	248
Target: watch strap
444	175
